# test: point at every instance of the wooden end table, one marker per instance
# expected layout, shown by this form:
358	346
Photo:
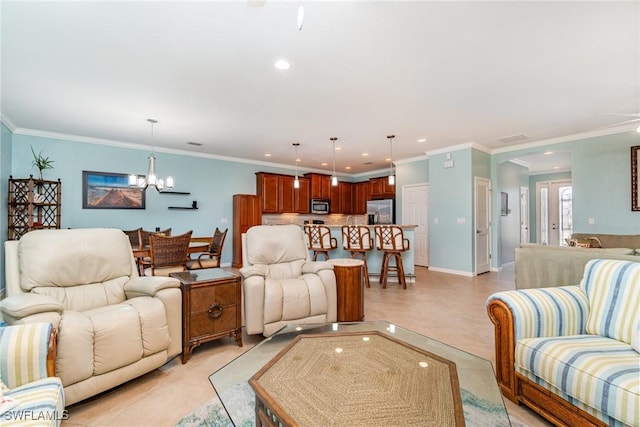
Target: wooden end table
211	307
349	288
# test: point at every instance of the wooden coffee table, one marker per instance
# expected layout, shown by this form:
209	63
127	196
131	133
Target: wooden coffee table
481	399
357	379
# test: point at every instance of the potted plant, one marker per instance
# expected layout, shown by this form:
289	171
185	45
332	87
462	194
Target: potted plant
41	162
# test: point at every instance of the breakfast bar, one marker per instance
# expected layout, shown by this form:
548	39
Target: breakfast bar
374	257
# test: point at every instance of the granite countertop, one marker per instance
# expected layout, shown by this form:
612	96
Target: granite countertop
405	226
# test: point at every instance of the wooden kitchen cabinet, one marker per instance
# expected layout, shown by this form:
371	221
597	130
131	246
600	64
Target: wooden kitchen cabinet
267	187
320	186
293	200
301	197
341	198
361	193
346	197
246	214
380	188
278	195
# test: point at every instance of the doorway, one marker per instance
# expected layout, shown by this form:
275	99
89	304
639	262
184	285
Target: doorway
554	212
482	224
415	210
524	215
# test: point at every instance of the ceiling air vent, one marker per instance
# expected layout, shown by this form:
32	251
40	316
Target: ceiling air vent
513	138
197	144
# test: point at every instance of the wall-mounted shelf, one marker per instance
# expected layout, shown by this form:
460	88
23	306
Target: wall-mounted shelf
183	207
175	192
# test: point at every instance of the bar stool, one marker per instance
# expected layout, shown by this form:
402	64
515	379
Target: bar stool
319	240
391	241
357	240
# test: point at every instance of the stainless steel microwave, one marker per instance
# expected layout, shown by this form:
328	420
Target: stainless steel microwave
319	206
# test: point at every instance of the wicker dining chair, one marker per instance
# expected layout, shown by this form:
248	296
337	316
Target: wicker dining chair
210	259
319	240
356	239
391	242
145	262
168	254
134	236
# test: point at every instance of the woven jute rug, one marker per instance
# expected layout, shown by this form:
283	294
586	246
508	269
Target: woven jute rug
359	379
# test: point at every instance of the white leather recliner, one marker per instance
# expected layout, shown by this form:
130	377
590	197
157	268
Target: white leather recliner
112	325
281	285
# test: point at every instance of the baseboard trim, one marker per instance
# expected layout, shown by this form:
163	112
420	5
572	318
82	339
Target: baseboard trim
449	271
409	278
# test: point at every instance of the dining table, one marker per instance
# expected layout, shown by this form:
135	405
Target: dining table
194	248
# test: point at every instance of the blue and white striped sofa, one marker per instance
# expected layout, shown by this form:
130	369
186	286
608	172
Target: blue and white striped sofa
567	351
27	359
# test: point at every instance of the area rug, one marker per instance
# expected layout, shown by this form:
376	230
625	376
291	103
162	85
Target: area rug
478	412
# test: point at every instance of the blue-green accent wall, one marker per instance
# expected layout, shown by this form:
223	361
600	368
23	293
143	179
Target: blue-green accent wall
211	182
5	170
450	199
510	178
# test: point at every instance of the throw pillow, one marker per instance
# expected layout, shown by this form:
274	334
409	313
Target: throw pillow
595	242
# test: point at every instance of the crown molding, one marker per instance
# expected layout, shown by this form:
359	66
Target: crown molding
568	138
459	147
548	172
520	163
411	160
8	123
128	145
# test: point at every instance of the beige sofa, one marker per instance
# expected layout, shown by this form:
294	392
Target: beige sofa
612	240
539	266
112	325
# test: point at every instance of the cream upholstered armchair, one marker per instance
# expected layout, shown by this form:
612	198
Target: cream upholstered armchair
112	325
281	285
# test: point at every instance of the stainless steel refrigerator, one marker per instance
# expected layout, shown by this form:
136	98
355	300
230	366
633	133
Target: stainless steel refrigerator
380	211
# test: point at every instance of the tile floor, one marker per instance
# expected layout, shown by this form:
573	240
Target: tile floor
446	307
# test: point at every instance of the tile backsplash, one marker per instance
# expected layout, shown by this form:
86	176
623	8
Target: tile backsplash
299	219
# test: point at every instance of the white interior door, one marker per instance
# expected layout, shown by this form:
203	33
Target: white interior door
524	215
415	210
482	224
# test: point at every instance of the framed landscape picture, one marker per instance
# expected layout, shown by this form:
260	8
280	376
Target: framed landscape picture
105	190
635	178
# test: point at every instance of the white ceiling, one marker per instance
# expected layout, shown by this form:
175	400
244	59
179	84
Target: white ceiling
450	72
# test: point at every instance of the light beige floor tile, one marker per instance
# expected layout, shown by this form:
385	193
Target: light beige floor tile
445	307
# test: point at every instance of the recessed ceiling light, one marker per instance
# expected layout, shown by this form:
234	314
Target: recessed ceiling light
546	153
348	167
387	159
556	167
324	164
338	148
267	154
282	64
365	154
422	140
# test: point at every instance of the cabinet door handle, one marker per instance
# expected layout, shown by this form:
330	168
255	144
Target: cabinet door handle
215	310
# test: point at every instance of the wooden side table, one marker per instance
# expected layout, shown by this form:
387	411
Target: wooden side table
211	307
350	288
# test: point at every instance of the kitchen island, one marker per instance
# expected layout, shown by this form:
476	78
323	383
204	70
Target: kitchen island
374	256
